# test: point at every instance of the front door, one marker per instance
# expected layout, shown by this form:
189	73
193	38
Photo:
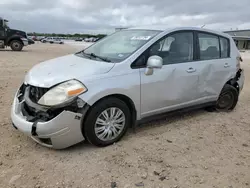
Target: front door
173	86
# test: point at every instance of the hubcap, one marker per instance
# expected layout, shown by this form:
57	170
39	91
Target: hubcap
16	45
110	124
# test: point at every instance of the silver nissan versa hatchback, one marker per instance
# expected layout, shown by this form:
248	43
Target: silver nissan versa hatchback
97	93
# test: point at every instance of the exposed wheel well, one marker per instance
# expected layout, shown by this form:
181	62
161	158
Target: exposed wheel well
233	83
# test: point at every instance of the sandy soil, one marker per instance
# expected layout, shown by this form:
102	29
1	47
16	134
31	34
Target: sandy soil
198	149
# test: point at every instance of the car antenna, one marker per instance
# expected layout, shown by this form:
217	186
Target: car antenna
203	26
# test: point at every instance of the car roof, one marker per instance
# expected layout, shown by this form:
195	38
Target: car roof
165	28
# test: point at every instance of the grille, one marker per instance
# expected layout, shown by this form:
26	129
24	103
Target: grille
36	93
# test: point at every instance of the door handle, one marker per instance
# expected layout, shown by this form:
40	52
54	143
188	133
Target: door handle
226	65
191	69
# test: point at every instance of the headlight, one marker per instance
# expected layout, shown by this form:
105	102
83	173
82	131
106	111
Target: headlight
64	92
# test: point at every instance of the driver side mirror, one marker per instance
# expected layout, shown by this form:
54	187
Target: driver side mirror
154	62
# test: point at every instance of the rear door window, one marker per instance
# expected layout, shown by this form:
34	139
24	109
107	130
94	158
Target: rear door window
209	46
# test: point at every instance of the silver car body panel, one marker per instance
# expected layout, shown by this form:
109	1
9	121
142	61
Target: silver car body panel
172	86
168	88
54	71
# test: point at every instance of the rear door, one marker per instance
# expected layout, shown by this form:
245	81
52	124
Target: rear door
216	64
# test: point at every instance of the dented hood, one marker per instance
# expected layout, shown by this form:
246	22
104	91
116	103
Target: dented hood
54	71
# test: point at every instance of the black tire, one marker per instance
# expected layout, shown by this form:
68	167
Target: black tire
228	99
44	41
16	45
93	114
51	42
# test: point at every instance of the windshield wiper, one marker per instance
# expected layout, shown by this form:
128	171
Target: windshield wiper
96	56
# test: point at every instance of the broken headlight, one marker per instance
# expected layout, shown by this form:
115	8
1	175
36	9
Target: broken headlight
64	92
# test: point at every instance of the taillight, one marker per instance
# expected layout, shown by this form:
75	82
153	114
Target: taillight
239	59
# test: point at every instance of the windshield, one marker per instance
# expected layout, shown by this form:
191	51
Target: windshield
120	45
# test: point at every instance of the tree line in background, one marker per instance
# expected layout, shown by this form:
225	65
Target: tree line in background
76	35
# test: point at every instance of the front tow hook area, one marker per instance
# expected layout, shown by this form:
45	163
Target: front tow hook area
33	129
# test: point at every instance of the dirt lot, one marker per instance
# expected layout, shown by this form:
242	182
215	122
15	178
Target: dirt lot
198	149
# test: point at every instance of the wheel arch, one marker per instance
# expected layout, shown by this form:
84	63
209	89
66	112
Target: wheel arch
128	101
14	38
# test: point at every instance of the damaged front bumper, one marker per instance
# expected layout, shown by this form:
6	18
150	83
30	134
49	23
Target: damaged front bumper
60	131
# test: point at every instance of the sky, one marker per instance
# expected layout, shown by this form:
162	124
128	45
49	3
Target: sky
102	16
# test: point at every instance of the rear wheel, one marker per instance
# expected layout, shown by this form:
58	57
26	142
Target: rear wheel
228	99
16	45
107	122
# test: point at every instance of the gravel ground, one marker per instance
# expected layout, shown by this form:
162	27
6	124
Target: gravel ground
197	149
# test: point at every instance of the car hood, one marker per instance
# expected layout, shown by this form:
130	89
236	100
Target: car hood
54	71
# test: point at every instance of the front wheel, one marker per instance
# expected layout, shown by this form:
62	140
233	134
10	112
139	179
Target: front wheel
107	122
228	99
16	45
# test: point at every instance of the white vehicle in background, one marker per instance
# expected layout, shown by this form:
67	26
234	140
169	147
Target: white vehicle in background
57	41
52	40
47	39
91	39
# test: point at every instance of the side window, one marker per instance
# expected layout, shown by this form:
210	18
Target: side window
166	43
175	48
224	46
140	61
209	46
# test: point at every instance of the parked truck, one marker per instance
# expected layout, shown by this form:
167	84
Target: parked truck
16	39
